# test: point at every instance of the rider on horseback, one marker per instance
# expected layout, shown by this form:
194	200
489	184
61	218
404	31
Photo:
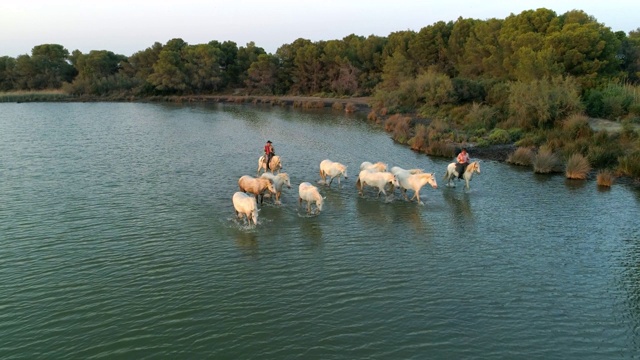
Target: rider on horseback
462	162
268	152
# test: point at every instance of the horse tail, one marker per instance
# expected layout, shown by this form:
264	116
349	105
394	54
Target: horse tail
358	183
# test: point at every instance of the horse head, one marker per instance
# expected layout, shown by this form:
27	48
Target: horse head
474	167
284	177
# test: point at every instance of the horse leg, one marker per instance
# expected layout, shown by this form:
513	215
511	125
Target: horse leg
308	206
404	193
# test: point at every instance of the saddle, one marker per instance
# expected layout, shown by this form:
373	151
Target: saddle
460	168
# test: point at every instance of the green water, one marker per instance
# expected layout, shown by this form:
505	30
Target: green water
118	239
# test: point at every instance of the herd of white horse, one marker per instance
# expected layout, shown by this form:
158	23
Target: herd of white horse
375	175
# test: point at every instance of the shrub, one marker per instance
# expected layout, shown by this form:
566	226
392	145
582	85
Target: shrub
540	103
420	140
499	136
605	178
337	106
440	148
523	156
350	107
629	165
545	161
398	126
576	126
604	156
372	116
577	167
479	116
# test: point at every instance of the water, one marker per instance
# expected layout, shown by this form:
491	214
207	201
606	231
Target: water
118	240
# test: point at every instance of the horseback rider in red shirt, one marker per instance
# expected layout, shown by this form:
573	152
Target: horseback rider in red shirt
268	152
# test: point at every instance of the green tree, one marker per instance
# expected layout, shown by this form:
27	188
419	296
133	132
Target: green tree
585	48
7	73
630	55
202	68
428	49
247	55
308	73
168	72
262	75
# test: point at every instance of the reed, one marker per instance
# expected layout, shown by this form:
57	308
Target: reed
605	178
350	107
545	161
522	156
35	96
577	167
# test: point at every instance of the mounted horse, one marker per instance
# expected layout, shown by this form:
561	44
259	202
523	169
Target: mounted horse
451	173
246	207
256	186
414	181
278	182
274	165
333	170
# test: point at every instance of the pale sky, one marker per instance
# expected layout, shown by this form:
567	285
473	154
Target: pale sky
127	26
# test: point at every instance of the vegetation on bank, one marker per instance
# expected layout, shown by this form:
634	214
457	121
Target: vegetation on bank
533	80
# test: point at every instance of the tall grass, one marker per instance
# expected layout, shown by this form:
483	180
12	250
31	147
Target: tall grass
605	178
35	96
545	161
522	156
577	167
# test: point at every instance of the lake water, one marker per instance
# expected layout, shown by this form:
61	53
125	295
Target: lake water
118	239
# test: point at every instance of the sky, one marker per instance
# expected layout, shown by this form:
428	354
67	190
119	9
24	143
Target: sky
128	26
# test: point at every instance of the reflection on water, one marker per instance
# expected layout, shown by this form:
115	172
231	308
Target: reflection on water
459	202
573	184
312	233
246	238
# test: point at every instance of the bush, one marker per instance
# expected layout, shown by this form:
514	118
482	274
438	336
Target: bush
420	140
440	148
604	156
577	167
399	128
540	103
576	126
480	117
499	136
545	161
523	156
605	178
629	165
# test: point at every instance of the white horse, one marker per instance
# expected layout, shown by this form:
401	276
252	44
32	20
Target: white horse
396	169
278	181
379	166
275	164
256	186
310	194
414	181
333	170
376	179
451	173
246	207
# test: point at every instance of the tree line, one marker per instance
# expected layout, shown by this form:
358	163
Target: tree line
495	80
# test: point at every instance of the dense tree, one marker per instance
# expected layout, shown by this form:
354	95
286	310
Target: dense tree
428	49
168	72
630	55
262	75
7	73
